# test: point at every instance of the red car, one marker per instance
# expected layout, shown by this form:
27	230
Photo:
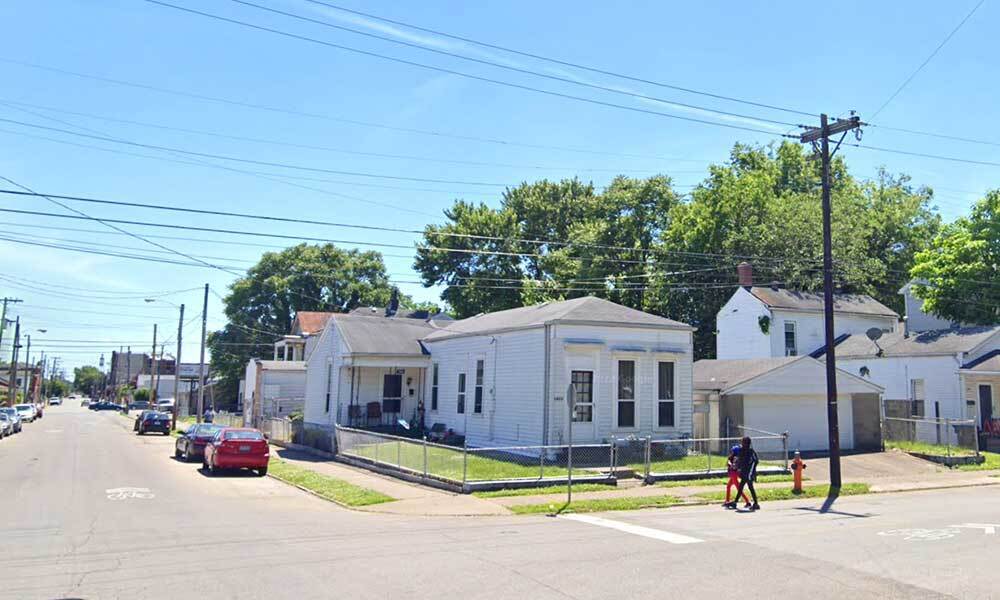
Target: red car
237	448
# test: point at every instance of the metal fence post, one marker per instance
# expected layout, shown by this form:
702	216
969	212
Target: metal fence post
425	457
947	436
614	461
399	453
708	454
784	448
648	457
541	464
377	444
975	436
465	463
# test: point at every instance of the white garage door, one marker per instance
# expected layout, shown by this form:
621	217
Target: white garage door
803	417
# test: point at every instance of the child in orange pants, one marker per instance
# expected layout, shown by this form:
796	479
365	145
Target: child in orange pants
734	478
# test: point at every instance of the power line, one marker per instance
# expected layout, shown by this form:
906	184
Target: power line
928	59
507	67
461	73
283	143
298	113
248	160
566	63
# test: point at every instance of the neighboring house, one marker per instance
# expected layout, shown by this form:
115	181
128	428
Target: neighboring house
761	322
274	388
501	378
779	394
300	341
916	320
164	385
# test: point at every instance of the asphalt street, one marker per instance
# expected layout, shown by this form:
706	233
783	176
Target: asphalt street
68	529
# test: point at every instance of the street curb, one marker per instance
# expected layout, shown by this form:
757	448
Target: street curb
321	497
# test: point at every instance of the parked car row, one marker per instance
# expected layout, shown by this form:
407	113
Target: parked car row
223	448
13	418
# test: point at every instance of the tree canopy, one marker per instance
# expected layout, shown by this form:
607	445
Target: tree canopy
638	243
87	379
961	268
261	306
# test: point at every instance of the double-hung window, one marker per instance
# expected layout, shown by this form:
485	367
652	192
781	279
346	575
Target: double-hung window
791	347
434	388
477	402
626	394
583	392
461	393
665	394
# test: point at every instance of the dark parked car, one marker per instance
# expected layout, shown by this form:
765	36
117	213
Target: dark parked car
139	405
151	420
191	445
237	448
104	405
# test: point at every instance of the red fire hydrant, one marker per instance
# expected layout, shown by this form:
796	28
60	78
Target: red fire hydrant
797	467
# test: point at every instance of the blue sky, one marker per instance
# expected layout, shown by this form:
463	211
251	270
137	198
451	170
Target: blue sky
768	52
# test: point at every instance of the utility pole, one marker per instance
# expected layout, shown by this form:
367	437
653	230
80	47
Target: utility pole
177	368
812	135
3	316
12	381
27	367
128	374
41	385
152	376
201	361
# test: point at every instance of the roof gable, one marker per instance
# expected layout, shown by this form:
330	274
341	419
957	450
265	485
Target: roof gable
587	309
308	322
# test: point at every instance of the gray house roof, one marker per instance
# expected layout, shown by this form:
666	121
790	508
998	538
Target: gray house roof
937	342
585	310
381	335
712	374
847	303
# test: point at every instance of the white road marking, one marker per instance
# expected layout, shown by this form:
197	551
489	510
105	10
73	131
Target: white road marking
656	534
125	493
988	528
921	535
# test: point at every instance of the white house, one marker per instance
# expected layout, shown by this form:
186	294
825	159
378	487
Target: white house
501	378
778	394
762	321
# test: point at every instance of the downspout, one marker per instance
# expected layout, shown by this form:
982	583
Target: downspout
545	388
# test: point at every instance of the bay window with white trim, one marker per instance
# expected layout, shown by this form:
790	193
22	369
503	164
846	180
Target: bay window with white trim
626	415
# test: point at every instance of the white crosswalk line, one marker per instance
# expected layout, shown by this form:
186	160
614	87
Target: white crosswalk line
656	534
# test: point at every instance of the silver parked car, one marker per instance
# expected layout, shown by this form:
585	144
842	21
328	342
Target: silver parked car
15	419
6	426
26	411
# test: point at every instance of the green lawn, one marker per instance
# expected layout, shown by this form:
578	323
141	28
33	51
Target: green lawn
690	463
330	488
447	463
596	505
548	489
812	491
926	448
992	462
723	480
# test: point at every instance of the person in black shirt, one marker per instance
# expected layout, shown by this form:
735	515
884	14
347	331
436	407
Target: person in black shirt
748	472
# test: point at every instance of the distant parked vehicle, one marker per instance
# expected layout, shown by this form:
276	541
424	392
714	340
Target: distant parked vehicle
154	421
191	445
6	426
26	411
139	405
55	401
237	448
104	405
14	417
85	402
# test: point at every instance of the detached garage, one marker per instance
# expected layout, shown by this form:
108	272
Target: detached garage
784	394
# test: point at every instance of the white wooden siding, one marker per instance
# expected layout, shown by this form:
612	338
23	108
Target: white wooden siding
328	350
810	332
738	325
941	380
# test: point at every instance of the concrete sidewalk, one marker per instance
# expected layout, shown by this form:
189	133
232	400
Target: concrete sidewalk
411	499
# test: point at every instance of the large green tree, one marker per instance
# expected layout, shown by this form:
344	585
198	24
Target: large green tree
87	379
261	306
962	267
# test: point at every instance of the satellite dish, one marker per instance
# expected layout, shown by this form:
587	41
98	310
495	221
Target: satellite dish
404	424
874	334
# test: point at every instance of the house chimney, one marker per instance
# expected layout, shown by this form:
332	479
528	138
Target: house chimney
745	271
393	304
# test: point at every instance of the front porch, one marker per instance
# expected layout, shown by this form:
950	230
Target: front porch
381	394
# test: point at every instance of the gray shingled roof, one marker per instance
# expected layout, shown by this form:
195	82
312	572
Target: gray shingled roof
987	362
380	335
848	303
713	374
587	309
942	341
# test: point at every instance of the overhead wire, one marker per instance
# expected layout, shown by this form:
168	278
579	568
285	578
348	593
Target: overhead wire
552	93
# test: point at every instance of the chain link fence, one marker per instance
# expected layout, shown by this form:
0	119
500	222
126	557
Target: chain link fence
277	430
948	441
470	468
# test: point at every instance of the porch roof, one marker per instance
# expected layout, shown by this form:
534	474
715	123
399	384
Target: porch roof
370	336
